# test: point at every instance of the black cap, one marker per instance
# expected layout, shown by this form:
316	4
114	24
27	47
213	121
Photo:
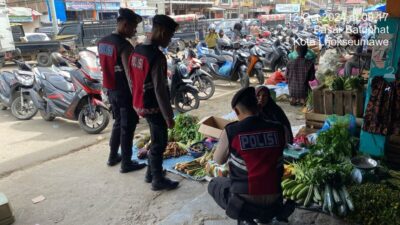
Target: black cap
166	21
245	94
129	15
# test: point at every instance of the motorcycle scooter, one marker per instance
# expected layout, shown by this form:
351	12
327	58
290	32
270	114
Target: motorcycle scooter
184	96
77	98
201	79
228	67
14	91
275	57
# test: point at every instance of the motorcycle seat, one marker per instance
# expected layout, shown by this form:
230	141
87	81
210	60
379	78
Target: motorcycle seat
59	82
220	58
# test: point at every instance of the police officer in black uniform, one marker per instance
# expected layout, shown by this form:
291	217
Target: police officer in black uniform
114	51
253	148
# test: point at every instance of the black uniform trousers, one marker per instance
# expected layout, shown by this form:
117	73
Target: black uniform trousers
236	207
125	121
159	141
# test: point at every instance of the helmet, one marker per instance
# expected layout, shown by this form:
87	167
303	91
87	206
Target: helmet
212	27
57	59
279	27
182	69
223	42
237	26
266	34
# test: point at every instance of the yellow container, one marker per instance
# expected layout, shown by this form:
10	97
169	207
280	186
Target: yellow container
6	215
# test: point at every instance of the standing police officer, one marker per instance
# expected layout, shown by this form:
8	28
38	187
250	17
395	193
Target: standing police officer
151	97
114	51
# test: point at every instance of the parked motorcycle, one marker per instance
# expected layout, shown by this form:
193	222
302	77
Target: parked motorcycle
14	91
201	79
184	95
255	64
75	98
231	67
275	57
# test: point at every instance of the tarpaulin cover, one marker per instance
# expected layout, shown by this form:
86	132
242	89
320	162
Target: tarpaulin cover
169	164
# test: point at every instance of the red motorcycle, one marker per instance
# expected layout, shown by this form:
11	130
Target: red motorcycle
74	97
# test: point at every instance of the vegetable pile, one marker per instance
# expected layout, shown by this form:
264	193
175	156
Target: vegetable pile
320	177
195	168
375	204
185	130
174	149
344	83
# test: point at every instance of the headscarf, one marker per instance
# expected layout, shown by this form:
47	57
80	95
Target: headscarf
271	111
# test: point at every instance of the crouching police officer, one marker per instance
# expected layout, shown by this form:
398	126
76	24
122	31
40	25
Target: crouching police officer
254	149
151	97
114	51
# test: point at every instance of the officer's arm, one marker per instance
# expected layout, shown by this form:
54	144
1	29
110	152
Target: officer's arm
125	54
159	77
221	154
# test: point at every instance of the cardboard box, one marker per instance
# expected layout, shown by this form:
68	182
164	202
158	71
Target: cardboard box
212	126
6	215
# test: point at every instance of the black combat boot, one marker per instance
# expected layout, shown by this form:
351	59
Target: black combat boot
114	160
130	166
162	183
159	181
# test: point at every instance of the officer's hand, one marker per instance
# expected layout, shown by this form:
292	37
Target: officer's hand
171	124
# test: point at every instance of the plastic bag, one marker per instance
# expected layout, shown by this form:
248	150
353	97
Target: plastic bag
225	69
275	78
347	120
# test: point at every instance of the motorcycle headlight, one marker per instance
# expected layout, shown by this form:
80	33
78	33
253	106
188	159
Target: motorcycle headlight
25	80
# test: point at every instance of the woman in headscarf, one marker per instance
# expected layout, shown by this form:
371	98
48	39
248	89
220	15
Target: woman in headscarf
271	111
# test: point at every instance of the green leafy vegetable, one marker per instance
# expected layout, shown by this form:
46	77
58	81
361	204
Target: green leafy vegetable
185	130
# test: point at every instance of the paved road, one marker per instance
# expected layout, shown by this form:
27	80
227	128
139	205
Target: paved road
25	143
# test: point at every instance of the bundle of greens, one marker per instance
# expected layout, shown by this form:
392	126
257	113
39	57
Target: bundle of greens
344	83
375	204
185	130
328	160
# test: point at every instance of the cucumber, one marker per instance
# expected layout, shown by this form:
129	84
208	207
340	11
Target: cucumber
309	195
336	196
325	204
316	193
347	198
289	184
314	198
342	211
285	181
302	193
329	198
297	189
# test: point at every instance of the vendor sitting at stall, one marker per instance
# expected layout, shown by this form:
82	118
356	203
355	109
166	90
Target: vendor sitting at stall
253	147
353	61
271	111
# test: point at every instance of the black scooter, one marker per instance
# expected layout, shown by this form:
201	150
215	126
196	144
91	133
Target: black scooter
77	97
14	91
231	67
184	95
275	57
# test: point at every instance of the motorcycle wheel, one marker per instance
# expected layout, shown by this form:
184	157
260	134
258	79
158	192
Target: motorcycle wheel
186	100
43	59
260	76
244	79
93	125
24	111
46	116
206	87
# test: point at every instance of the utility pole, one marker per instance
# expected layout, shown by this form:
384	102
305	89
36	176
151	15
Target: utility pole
53	16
